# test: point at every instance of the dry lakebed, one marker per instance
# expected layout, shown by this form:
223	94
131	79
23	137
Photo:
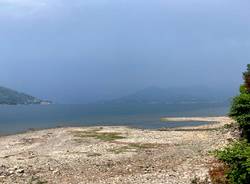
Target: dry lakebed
110	154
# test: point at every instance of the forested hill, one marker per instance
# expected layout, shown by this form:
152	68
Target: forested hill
12	97
156	95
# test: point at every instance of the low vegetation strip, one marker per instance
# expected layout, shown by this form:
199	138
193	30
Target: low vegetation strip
104	136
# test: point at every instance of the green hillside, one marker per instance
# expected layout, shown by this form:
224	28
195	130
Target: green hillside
12	97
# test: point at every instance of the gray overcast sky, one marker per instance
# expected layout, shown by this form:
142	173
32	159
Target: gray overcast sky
84	50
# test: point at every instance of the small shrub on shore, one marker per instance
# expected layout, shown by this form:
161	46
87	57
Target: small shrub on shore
237	157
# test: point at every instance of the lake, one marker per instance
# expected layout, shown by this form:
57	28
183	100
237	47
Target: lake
20	118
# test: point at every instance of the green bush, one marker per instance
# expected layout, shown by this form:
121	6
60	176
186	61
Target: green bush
240	111
237	157
243	89
240	105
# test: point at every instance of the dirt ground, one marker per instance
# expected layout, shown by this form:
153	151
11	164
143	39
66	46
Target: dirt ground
120	155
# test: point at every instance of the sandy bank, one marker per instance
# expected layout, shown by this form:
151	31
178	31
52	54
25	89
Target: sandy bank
111	154
213	122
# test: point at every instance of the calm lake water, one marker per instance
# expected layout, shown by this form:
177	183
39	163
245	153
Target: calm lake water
15	119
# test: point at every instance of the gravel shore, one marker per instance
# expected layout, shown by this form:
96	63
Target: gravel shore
109	154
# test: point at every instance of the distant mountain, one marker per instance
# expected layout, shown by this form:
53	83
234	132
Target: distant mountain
11	97
156	95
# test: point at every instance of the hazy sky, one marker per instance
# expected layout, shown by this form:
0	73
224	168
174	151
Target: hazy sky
76	51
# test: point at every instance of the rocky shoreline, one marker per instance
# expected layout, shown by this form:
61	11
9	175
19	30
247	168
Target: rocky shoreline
109	154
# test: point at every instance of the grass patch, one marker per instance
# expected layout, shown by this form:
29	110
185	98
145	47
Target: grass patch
36	180
104	136
143	145
133	147
94	154
122	150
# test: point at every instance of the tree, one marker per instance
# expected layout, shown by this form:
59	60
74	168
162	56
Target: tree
237	156
246	76
240	109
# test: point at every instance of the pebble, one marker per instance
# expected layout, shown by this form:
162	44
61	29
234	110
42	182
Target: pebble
11	172
20	170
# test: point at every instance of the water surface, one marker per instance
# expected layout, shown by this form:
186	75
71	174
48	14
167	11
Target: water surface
20	118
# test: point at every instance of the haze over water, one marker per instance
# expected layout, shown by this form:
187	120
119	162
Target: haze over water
83	51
